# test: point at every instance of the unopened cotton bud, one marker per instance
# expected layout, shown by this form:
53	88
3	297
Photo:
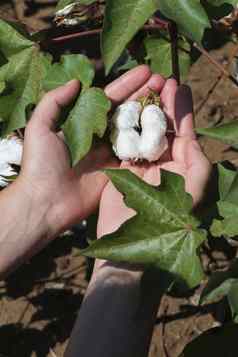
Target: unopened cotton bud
127	115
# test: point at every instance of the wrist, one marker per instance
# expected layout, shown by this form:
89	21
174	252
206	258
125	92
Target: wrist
44	203
37	205
30	231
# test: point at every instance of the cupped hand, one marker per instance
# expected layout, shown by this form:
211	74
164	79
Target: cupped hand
183	157
72	194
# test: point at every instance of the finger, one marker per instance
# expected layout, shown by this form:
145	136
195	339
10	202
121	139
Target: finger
168	101
198	173
48	110
184	123
155	83
184	112
126	85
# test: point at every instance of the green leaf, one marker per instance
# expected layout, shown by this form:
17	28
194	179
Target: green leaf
189	15
2	86
12	40
233	300
70	67
163	234
228	133
225	181
88	117
219	342
228	204
123	19
159	56
23	76
220	284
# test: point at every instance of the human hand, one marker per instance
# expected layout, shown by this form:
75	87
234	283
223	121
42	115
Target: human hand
71	193
184	157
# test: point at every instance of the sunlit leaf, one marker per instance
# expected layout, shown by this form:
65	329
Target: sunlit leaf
70	67
88	117
123	18
189	15
163	233
159	56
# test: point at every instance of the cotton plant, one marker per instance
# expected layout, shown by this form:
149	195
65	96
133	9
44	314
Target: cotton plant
139	130
11	149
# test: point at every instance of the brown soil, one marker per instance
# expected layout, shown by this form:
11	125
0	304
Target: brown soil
39	303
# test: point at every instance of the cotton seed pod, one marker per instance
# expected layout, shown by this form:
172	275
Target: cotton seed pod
10	153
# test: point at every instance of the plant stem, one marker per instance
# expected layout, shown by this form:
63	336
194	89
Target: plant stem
76	35
173	31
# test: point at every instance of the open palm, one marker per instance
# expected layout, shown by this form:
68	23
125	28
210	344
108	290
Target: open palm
183	157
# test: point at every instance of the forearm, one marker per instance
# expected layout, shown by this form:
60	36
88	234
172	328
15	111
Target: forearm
24	226
117	315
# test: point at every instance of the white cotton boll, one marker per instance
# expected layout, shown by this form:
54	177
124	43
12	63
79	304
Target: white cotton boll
126	144
10	153
153	140
11	150
127	115
153	116
152	150
6	171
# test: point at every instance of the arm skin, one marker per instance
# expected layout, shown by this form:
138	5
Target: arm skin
120	307
49	196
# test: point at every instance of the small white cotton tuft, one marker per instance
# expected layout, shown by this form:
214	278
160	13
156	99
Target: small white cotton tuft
10	153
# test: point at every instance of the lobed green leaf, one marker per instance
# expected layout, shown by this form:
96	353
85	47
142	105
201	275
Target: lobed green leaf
163	234
159	56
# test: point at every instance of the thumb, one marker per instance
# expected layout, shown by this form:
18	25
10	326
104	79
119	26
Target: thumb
48	110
